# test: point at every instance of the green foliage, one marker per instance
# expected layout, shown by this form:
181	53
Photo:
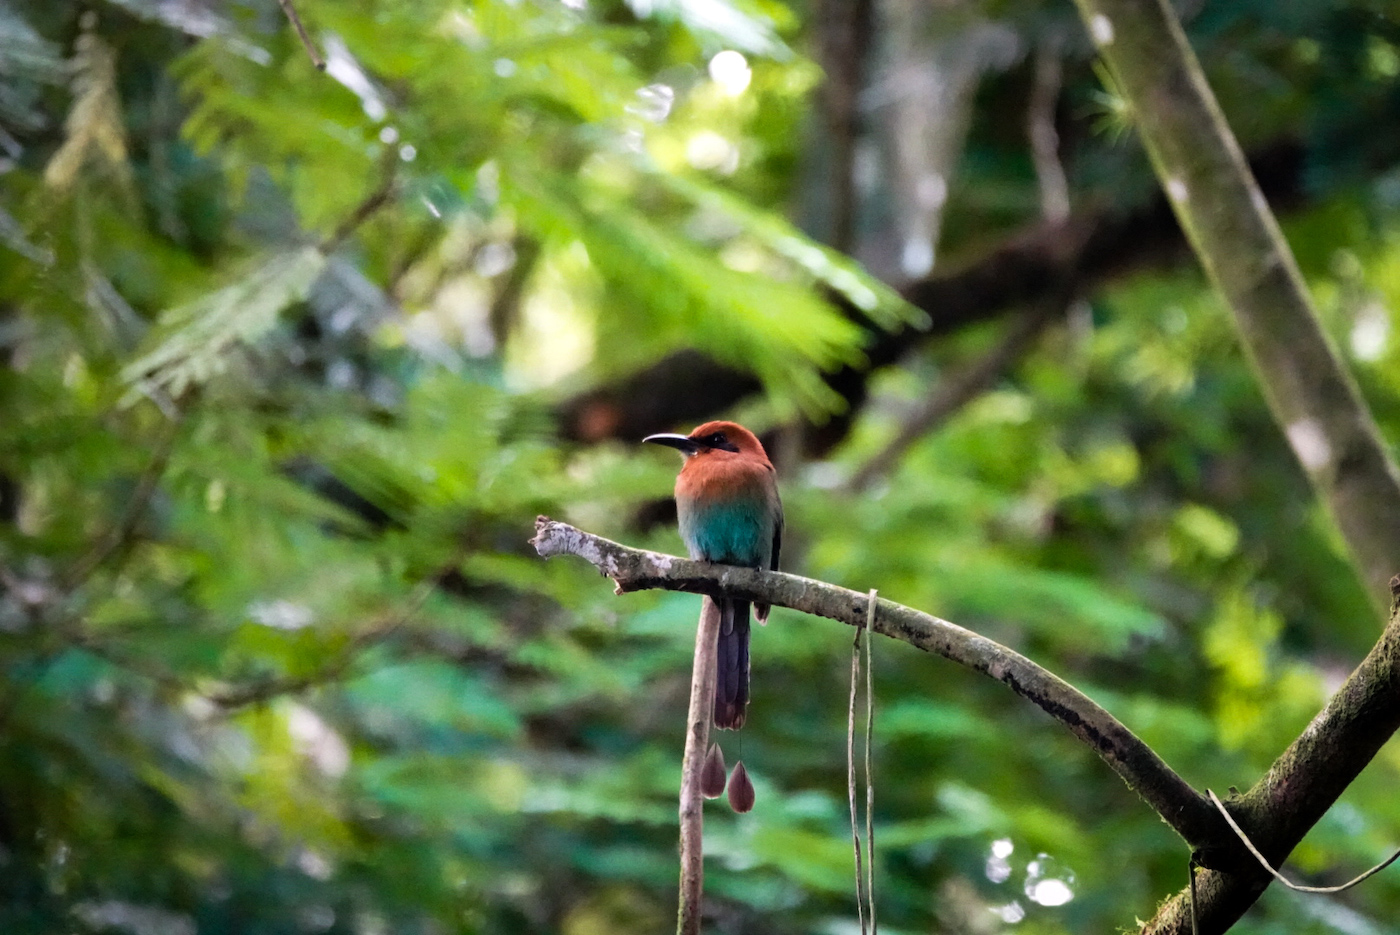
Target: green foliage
192	340
279	357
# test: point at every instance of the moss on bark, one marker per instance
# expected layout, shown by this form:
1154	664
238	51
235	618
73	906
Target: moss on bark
1312	396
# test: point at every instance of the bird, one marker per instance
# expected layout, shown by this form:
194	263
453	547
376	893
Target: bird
730	513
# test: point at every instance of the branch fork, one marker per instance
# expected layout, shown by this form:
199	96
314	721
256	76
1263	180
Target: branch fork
1275	814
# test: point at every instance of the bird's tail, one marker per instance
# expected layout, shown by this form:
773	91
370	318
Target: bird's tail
732	683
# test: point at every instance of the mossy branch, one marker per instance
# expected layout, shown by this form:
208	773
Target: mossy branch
1301	785
1312	396
1181	807
1224	214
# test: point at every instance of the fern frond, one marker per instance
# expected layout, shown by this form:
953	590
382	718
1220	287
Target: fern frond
94	131
669	291
192	340
833	269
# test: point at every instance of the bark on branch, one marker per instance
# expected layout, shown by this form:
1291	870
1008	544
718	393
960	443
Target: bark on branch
1301	785
1229	225
697	741
1182	807
1313	398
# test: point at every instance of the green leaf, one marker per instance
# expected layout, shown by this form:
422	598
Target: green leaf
191	343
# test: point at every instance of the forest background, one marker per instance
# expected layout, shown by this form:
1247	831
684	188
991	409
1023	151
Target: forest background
290	360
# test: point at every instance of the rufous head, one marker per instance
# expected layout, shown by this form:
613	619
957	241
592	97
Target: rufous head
714	438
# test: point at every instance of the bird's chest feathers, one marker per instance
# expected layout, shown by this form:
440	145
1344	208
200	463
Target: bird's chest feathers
726	523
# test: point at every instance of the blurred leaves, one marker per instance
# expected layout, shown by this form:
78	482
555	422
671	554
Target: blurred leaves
95	136
191	341
247	718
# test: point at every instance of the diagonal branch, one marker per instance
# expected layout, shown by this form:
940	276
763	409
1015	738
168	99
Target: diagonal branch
959	389
370	205
342	664
295	20
1226	218
1301	785
1188	812
120	535
1314	400
231	698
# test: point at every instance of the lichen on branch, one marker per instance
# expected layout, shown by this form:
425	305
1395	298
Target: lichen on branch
1181	807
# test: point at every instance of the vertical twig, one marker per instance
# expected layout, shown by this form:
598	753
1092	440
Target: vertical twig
311	50
1045	139
1191	869
865	882
697	742
869	773
845	33
851	779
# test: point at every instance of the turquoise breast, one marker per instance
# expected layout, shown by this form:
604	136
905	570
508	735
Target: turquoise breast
732	532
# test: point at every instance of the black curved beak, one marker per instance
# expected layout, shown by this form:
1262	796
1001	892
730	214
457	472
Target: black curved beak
682	443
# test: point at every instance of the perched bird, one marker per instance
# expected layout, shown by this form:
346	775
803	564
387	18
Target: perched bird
727	502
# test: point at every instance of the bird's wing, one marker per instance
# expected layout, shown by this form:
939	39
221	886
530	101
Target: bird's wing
761	610
777	538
